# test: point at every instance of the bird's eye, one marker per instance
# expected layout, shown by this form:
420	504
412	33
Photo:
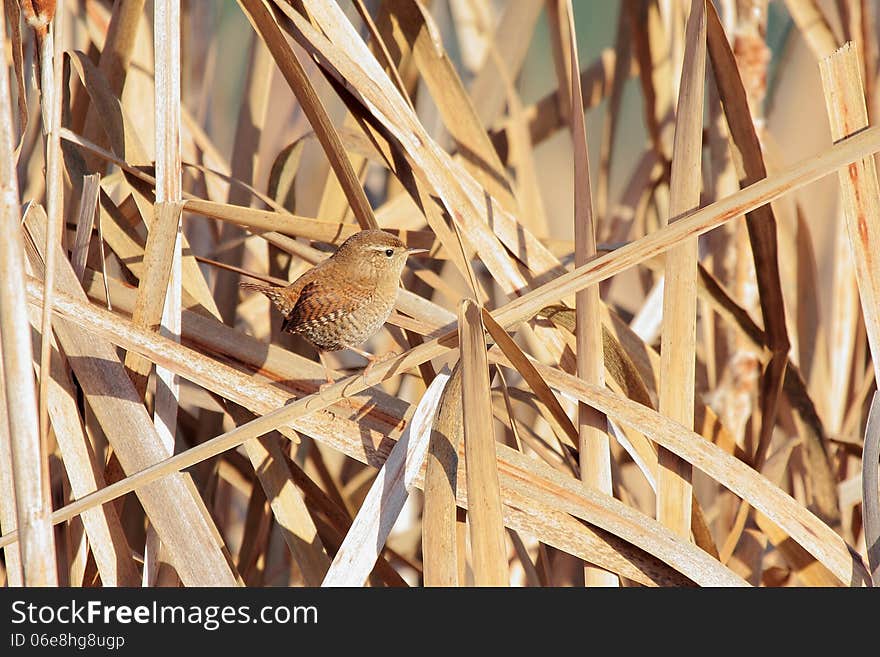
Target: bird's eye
389	252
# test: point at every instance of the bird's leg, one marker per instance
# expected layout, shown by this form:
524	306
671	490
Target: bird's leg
372	359
327	370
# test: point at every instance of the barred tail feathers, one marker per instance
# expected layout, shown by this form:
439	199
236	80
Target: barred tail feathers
282	302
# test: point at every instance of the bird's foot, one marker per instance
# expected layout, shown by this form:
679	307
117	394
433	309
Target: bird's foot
375	360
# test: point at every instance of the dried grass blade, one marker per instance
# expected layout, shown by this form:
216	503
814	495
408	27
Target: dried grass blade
85	221
760	221
173	506
29	460
298	80
417	32
169	189
813	25
439	550
291	513
594	447
541	481
102	526
155	281
678	350
488	543
524	366
871	489
801	525
612	112
536	517
8	522
390	489
13	19
487	89
116	55
845	101
51	101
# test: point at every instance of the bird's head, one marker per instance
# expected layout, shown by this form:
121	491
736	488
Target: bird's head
374	254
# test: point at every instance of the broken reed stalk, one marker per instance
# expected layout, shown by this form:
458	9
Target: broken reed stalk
51	102
870	487
860	192
603	267
30	467
594	447
85	222
488	544
678	350
169	189
816	537
364	542
440	554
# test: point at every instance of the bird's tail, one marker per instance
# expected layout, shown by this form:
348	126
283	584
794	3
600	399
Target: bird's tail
274	293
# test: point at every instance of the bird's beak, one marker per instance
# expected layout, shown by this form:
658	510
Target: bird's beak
410	252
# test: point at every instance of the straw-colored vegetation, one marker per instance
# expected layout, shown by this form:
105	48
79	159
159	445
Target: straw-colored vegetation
641	348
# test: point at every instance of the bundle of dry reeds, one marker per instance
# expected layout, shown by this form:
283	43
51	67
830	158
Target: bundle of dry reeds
642	349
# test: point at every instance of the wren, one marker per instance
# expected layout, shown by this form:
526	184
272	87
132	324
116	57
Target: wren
344	300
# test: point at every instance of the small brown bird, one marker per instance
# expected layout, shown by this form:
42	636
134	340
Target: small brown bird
344	300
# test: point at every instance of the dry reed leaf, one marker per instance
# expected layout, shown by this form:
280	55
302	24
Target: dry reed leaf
164	257
620	76
85	220
630	379
652	50
417	32
813	25
12	12
440	556
843	322
388	492
841	79
620	558
871	489
528	372
802	526
486	91
116	55
296	77
108	543
593	443
51	85
29	457
244	165
611	515
173	506
8	521
288	507
761	222
155	280
319	230
488	546
678	350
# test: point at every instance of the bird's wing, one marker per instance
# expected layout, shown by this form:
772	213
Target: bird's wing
320	302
